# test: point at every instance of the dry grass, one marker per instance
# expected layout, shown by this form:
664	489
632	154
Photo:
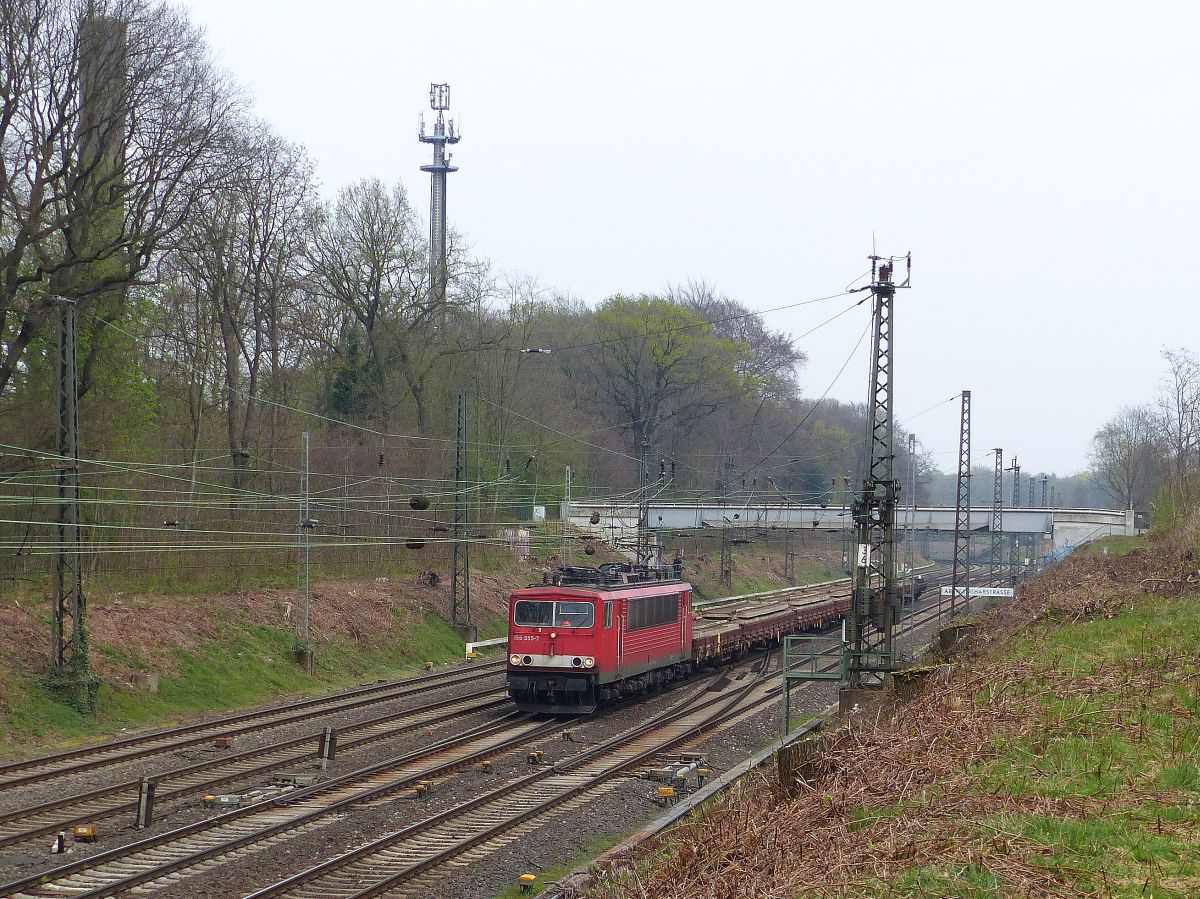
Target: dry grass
979	786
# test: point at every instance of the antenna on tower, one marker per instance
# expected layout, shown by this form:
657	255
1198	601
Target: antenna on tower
443	133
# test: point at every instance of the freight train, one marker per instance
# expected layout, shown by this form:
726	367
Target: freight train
588	636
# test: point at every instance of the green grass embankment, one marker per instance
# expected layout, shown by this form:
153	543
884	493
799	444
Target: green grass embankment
1060	756
250	665
1105	789
1114	545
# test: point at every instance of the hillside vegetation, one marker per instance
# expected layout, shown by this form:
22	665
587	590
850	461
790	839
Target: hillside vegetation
1059	757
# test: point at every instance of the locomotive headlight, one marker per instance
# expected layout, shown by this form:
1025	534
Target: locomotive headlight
553	635
589	662
515	659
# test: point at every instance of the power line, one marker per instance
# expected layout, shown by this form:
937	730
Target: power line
705	323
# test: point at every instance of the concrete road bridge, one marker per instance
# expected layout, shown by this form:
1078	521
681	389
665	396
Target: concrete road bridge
1065	528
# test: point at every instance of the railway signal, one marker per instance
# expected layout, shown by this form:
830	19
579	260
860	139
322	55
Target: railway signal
875	602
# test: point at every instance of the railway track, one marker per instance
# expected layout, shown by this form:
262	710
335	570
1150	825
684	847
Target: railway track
393	862
196	847
86	758
206	776
387	863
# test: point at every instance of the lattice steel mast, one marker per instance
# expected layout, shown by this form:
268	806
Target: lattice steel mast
70	653
960	576
789	554
302	647
103	62
564	550
910	531
460	577
996	567
726	550
1014	541
443	133
875	603
643	523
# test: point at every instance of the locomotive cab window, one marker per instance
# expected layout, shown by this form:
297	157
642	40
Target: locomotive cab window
533	613
575	614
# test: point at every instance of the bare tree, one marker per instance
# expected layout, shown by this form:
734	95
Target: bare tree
240	250
1125	455
369	256
111	111
1179	415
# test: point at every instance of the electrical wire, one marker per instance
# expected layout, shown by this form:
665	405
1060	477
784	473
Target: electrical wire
706	323
807	415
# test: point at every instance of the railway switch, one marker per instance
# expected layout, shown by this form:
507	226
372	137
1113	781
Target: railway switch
527	881
84	833
666	795
223	800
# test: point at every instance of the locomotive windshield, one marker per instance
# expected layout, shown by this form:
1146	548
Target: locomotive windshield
533	613
574	614
543	613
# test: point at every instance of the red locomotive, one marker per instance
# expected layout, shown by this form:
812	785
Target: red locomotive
590	635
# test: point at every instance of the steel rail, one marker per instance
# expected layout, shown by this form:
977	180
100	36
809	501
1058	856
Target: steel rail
23	824
141	745
348	867
300	808
83	874
299	821
337	867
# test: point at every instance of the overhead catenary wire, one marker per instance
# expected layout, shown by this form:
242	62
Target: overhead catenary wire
221	496
807	415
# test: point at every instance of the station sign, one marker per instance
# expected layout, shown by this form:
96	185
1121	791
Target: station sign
981	591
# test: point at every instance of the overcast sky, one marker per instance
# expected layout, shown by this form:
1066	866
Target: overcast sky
1038	159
